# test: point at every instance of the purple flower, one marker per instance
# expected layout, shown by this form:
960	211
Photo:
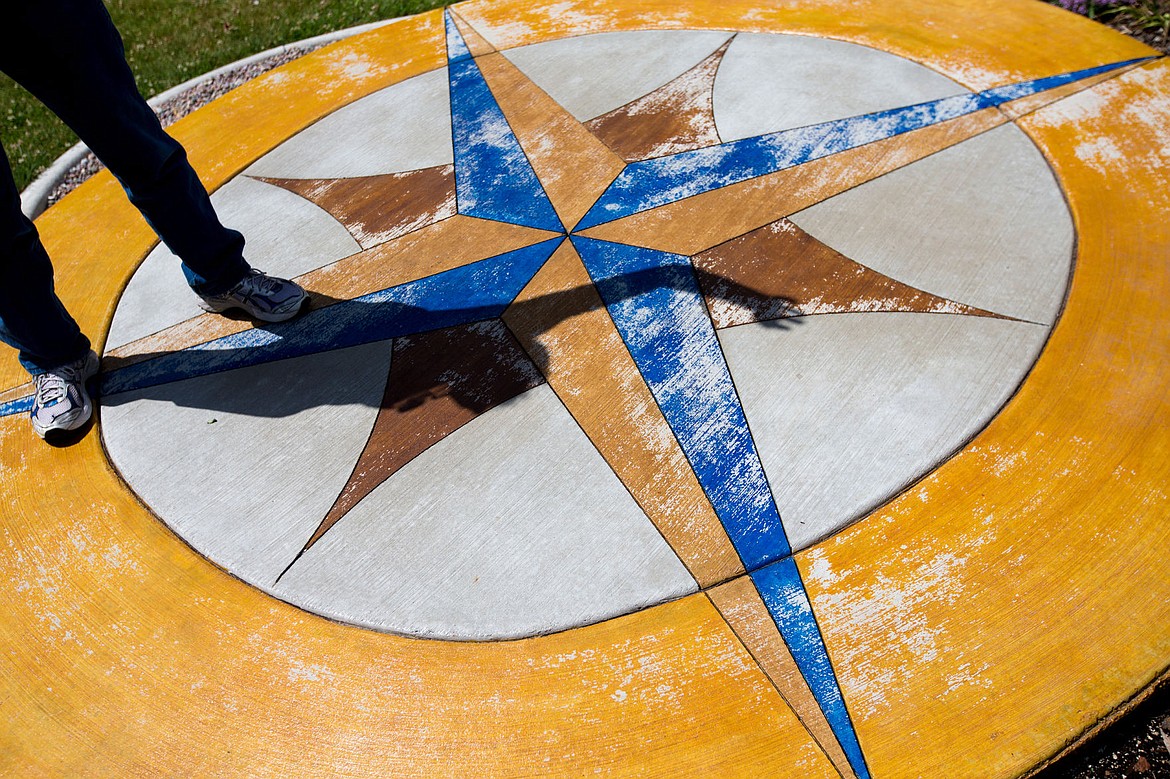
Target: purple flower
1086	7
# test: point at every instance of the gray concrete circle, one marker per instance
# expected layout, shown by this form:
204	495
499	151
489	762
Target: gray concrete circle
514	525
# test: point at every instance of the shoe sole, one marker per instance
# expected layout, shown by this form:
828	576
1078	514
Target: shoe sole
216	308
61	436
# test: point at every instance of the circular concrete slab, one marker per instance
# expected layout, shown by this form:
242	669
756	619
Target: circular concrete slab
712	390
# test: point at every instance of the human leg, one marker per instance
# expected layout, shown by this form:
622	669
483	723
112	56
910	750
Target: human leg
32	318
70	56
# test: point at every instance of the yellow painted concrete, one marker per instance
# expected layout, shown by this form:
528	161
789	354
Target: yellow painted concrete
977	623
126	653
741	605
980	45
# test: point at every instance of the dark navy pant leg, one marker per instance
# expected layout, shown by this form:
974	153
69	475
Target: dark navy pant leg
69	55
32	319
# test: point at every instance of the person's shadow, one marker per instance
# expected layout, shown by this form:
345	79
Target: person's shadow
462	353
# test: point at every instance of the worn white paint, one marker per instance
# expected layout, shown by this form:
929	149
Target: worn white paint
511	526
590	75
847	409
403	127
778	82
983	223
244	464
1141	107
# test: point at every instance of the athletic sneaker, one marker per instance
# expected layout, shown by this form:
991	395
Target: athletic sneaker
263	297
61	402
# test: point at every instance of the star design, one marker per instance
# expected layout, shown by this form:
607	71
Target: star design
601	258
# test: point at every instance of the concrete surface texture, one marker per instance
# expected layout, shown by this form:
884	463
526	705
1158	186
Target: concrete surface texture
703	390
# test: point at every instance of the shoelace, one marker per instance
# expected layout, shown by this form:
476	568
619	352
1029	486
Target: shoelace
265	285
52	387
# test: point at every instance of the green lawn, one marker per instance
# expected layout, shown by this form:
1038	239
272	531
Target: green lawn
170	41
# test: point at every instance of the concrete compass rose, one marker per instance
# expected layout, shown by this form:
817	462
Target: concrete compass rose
637	227
601	276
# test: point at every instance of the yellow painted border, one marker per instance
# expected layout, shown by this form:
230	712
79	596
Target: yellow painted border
978	623
1021	592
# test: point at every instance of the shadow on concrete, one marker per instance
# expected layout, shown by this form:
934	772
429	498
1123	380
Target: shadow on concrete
458	338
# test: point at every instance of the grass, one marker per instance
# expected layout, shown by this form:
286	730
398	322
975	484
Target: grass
1147	15
171	41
